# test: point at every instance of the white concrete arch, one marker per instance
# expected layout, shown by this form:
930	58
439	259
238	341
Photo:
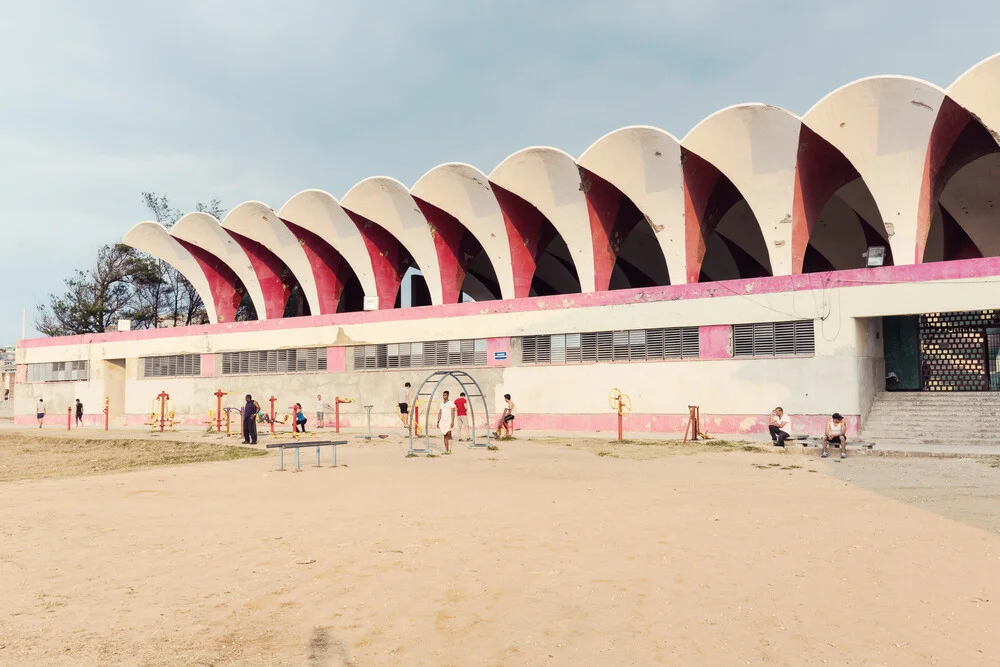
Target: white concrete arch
464	192
882	124
549	179
258	222
387	202
320	213
644	163
978	90
153	239
755	146
204	231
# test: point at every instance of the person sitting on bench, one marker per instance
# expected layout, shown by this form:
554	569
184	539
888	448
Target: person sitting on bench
836	435
779	427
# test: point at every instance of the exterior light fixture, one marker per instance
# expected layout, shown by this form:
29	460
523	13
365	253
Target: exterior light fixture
875	256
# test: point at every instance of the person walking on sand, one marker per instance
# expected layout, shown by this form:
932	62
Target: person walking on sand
446	414
404	404
79	412
462	417
250	411
40	412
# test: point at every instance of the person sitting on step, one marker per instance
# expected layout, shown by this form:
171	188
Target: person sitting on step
779	427
836	435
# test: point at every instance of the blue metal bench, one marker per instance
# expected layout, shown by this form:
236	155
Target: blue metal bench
297	446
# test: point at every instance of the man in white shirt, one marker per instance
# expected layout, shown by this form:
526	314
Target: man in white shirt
779	427
446	415
40	412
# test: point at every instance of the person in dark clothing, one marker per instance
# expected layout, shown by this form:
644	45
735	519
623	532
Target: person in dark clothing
79	412
250	411
300	419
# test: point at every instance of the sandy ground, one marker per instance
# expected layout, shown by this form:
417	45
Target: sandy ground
536	554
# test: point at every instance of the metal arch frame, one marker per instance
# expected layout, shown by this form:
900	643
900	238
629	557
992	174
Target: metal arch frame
467	382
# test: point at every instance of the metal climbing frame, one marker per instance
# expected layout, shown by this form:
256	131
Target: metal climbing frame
428	390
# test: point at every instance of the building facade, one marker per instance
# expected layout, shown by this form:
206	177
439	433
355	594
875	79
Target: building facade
763	259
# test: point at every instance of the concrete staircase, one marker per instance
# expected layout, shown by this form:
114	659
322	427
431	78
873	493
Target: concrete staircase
970	418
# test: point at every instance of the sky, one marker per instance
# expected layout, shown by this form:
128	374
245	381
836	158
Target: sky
249	100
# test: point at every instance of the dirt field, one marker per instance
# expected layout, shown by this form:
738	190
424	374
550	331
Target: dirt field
536	554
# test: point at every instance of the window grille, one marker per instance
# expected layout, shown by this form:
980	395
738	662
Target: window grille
774	339
174	365
614	346
466	352
259	362
59	371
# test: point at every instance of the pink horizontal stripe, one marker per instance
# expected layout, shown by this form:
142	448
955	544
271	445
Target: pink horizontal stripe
912	273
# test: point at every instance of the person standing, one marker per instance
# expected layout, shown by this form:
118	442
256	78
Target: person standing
507	418
462	416
250	411
779	427
40	412
79	412
446	414
319	410
404	404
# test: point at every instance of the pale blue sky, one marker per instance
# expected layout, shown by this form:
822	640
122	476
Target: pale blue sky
258	100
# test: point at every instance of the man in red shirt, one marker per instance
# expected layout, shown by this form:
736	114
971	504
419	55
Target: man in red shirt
462	412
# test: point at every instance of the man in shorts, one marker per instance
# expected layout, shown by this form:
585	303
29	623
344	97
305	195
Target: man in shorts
404	404
319	410
446	414
836	435
40	412
507	418
462	415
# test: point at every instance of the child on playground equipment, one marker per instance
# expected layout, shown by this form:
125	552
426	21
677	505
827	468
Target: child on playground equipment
300	419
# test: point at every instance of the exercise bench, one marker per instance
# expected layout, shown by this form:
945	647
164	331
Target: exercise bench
297	446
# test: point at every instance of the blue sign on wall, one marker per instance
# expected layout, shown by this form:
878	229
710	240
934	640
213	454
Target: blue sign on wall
500	356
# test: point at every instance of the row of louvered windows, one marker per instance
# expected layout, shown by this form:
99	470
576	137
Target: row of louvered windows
427	354
774	339
301	360
173	365
58	371
633	345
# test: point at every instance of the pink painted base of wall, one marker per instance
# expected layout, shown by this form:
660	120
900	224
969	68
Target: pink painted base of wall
608	423
649	423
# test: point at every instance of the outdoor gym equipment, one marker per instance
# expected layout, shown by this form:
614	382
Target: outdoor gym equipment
368	409
694	424
229	421
164	406
69	417
622	404
218	412
336	410
429	388
107	411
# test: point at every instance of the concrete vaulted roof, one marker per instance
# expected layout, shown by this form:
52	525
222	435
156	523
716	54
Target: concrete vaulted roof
387	203
153	239
320	213
644	163
203	231
881	151
464	192
549	180
882	124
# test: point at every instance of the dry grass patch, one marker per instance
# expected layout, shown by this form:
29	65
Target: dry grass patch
26	457
648	449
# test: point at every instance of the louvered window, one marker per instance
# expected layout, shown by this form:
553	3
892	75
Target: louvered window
174	365
613	346
774	339
59	371
466	352
260	362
